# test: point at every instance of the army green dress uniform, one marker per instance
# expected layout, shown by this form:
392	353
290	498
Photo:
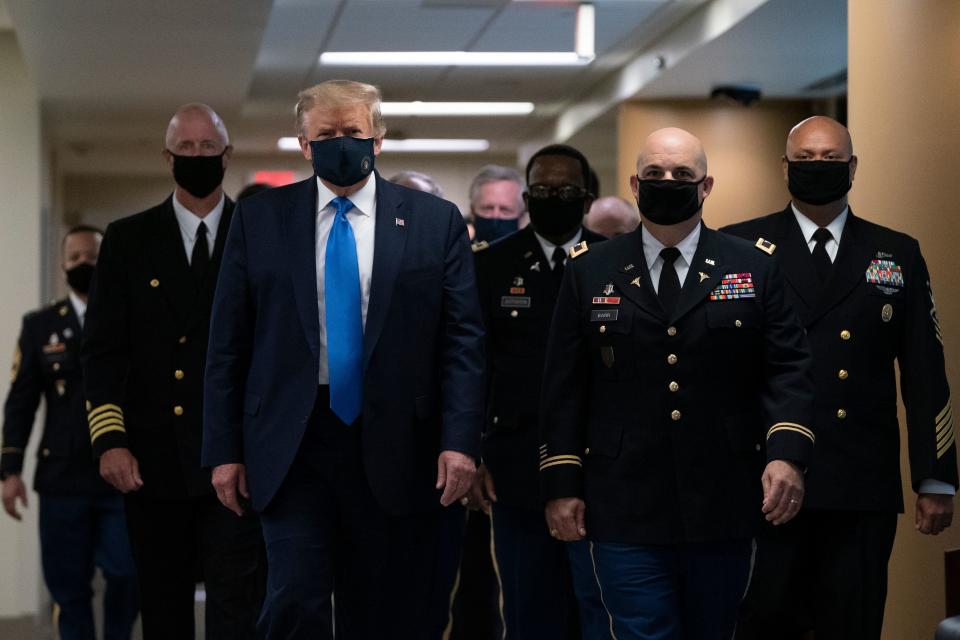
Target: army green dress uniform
828	569
81	517
144	354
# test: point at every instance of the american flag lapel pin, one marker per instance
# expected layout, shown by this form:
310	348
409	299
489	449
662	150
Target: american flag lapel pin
399	222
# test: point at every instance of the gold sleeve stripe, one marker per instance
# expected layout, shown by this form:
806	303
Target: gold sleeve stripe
102	408
558	462
564	457
104	417
107	430
105	427
946	409
11	450
791	426
943	437
943	424
945	445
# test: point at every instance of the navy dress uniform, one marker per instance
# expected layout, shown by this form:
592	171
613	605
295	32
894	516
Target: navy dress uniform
81	517
662	423
518	285
827	570
144	358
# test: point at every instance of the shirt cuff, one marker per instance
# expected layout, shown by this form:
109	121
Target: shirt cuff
937	487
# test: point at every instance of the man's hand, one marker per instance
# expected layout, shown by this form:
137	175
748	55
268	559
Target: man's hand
12	489
230	481
565	519
119	468
482	493
455	474
934	512
782	491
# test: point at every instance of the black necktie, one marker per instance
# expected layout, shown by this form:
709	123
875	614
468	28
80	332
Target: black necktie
821	260
559	258
668	290
200	259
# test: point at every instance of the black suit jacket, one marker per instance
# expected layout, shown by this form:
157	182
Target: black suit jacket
47	365
423	343
857	329
517	294
663	424
145	346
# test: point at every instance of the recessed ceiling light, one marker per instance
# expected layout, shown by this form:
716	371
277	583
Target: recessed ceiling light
412	145
453	59
418	108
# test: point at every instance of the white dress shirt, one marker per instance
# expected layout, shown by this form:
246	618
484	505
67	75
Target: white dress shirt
79	307
548	246
189	222
651	252
808	227
362	218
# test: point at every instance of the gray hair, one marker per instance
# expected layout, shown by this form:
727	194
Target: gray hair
419	181
495	173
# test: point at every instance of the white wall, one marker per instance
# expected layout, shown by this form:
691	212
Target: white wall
20	247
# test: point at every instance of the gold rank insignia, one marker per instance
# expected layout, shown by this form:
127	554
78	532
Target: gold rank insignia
579	249
480	245
766	246
63	310
635	281
703	276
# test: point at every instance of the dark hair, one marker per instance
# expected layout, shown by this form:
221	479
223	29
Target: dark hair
594	186
563	150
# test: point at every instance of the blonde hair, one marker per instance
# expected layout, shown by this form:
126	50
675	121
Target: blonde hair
336	94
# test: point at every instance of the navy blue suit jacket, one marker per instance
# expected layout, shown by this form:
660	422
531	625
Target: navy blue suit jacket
423	343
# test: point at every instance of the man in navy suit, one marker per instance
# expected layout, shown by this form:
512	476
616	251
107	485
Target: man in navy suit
344	383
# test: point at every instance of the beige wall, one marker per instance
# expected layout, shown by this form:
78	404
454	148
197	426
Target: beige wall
20	246
904	102
743	145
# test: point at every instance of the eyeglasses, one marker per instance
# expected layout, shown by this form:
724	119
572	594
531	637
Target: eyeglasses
567	193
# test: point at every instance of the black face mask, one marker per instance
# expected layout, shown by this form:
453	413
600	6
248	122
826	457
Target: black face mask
668	202
342	161
198	175
818	182
491	229
79	277
552	217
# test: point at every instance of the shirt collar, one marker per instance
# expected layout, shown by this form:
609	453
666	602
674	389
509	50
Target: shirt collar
364	201
808	227
548	246
79	306
652	247
189	221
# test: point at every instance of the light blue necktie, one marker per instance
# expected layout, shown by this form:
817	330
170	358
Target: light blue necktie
343	315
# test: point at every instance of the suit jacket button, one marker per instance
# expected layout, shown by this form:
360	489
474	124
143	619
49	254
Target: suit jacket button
154	283
178	411
46	453
603	328
844	335
178	374
842	414
56	366
672	359
843	374
671	331
182	340
738	323
496	419
674	387
675	415
586	451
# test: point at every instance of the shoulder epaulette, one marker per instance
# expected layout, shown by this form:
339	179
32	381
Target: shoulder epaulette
579	249
766	246
480	245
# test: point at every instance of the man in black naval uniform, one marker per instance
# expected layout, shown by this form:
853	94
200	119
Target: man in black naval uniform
518	278
144	353
676	399
81	517
863	294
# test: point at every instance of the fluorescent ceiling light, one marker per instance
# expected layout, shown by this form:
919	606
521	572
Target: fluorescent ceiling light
446	145
584	38
453	59
418	108
412	145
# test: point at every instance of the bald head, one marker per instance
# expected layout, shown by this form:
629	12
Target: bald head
672	147
196	129
612	217
819	138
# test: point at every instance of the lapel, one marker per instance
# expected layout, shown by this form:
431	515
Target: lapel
632	278
534	267
300	233
388	245
853	256
696	286
170	261
796	262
